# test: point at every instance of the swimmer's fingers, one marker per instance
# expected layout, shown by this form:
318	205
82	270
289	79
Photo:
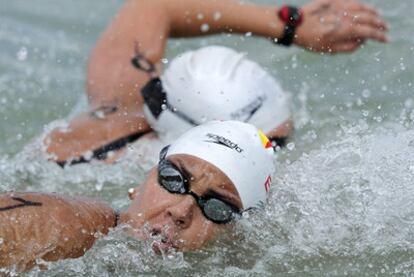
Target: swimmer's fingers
371	20
364	31
364	22
345	47
357	7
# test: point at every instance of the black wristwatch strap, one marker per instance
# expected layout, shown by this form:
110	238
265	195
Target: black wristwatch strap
288	36
292	17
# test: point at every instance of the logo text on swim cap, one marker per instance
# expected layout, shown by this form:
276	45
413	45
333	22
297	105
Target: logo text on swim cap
223	141
245	113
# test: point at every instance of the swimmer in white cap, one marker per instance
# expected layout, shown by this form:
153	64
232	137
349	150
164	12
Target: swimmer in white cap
116	114
215	83
203	182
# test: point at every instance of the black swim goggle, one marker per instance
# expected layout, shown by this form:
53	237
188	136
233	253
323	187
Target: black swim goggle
175	181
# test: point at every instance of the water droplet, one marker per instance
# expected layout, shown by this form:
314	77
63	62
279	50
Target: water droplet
290	146
99	186
200	16
22	54
100	114
204	27
366	93
217	16
164	60
409	103
248	34
110	154
88	155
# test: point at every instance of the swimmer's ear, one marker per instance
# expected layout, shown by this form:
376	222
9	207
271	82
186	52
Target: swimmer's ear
133	193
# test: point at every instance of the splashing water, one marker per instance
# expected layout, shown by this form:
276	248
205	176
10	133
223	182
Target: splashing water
342	200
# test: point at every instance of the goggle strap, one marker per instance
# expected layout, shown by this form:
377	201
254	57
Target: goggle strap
164	152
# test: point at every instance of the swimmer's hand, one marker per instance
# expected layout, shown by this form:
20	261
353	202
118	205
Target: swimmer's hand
339	26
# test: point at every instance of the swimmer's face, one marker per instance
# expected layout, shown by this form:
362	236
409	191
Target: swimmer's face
176	219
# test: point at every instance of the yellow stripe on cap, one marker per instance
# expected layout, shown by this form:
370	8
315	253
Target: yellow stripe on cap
265	141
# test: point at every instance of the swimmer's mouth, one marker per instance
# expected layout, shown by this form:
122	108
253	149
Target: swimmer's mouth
162	242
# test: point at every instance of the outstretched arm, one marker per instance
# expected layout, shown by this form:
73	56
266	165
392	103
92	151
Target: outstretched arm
113	83
327	25
49	227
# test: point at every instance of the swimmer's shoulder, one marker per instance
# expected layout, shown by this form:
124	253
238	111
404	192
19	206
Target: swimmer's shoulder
49	226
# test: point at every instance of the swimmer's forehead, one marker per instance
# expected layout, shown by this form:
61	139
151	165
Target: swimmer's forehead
206	179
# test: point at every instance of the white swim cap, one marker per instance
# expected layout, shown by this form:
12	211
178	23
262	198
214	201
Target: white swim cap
240	150
218	83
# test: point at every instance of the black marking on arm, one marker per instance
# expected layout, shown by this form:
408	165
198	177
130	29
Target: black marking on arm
23	203
140	62
103	111
117	218
102	152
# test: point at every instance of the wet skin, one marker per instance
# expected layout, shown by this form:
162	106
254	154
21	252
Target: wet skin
49	227
176	218
53	227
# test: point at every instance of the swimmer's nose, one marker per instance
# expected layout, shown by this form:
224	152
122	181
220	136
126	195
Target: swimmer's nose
181	212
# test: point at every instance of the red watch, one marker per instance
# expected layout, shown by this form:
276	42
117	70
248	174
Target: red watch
292	17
